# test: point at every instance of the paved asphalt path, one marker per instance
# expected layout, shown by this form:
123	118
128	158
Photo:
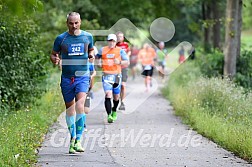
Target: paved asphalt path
146	134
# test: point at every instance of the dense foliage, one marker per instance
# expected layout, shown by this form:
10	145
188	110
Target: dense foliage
211	65
244	69
22	63
27	42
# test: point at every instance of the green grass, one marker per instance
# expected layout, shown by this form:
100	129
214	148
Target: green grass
233	137
22	131
215	107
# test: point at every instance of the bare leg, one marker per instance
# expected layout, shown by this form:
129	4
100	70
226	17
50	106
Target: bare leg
122	95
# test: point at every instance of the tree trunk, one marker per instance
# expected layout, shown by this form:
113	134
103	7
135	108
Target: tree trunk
206	13
239	29
231	38
217	26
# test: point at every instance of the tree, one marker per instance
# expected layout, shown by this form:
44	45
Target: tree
239	29
232	36
211	18
20	7
217	25
207	24
137	11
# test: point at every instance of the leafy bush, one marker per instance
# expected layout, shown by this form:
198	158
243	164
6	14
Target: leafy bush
21	63
211	64
244	70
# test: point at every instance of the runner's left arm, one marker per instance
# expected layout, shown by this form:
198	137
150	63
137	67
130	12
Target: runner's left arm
91	55
124	57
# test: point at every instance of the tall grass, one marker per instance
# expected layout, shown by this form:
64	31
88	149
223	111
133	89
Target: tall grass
215	107
22	131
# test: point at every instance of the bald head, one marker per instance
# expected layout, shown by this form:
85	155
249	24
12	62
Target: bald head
73	14
73	23
161	45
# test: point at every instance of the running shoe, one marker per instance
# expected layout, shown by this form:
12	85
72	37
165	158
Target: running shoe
71	147
110	118
78	146
122	106
114	115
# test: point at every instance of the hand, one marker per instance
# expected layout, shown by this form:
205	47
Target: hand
55	59
91	58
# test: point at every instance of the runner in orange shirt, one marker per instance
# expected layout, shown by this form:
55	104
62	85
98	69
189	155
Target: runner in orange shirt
112	58
146	57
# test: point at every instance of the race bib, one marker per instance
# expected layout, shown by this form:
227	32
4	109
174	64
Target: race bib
109	78
148	67
110	56
76	49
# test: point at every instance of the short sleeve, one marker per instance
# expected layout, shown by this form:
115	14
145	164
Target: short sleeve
99	55
123	55
57	43
91	43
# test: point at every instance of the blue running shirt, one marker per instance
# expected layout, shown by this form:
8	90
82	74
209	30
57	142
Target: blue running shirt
74	53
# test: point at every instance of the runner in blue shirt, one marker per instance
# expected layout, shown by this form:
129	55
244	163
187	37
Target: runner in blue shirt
75	49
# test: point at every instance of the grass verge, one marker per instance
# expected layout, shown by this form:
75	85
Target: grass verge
22	131
215	108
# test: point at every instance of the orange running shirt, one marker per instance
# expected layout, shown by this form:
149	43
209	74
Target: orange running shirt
146	56
108	57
